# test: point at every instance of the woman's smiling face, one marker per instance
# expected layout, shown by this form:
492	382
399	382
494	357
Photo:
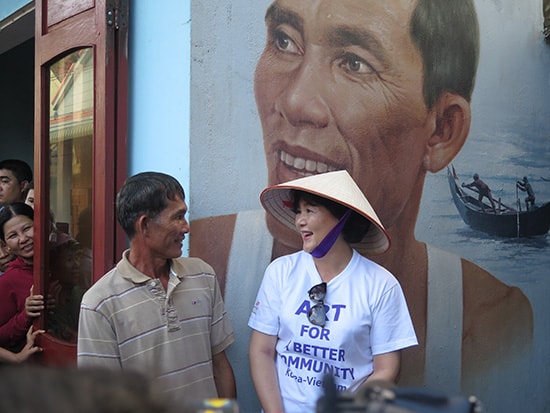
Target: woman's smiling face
313	222
19	237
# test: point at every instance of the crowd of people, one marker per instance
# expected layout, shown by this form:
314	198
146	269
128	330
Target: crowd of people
20	306
162	316
17	338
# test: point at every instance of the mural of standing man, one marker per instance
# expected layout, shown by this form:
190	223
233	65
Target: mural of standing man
382	89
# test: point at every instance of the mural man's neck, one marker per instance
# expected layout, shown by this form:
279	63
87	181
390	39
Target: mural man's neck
406	262
280	249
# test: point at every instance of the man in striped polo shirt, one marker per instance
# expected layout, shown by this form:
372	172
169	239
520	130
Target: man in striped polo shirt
156	312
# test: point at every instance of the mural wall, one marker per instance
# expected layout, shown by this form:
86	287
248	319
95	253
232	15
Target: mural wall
265	114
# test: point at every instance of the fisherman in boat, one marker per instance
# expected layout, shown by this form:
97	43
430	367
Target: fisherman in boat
525	186
483	190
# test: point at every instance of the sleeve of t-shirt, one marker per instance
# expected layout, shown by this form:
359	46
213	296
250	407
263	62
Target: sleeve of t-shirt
265	313
392	327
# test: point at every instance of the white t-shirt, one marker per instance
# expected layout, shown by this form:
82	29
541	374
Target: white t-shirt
366	315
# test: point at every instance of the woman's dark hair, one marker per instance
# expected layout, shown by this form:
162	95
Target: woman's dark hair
356	226
13	210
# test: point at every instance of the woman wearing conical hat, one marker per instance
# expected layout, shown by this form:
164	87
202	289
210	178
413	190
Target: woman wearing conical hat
325	309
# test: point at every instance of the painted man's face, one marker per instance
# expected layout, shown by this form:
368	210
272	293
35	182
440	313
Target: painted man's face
339	86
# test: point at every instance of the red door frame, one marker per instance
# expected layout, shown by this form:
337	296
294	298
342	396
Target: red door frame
60	28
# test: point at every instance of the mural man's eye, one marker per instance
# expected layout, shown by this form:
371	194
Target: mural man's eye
282	41
355	64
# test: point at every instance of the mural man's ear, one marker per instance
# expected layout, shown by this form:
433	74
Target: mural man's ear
452	123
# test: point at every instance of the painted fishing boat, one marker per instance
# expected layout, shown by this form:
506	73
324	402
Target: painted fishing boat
504	220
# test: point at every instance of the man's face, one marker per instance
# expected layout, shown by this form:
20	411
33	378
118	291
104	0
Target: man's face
11	190
167	231
339	86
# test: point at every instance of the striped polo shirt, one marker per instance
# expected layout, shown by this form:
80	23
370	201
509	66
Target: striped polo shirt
129	322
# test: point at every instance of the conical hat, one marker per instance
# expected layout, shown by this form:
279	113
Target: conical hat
337	186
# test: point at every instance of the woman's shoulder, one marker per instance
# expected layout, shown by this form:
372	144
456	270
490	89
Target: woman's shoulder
288	262
15	269
286	268
370	267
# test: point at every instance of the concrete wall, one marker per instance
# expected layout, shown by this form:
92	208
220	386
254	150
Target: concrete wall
509	138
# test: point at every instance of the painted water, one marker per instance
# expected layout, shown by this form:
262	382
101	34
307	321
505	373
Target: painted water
501	158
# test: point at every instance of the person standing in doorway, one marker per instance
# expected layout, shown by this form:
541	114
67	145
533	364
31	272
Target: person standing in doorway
17	232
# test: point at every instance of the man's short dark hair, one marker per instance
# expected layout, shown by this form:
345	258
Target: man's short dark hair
20	169
146	193
446	33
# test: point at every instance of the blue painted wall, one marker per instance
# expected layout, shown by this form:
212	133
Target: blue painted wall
159	89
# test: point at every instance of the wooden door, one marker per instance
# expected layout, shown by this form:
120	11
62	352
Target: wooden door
80	156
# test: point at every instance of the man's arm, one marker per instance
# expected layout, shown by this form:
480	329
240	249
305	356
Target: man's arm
97	343
264	372
386	367
486	339
223	376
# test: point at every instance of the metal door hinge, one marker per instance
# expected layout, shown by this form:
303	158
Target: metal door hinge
117	16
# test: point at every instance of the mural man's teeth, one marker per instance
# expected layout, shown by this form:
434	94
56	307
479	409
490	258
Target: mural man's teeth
305	165
322	167
299	163
287	158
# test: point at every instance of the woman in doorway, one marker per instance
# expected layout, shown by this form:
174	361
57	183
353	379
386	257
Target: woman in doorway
325	308
17	231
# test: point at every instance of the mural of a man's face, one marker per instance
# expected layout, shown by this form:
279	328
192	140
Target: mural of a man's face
339	86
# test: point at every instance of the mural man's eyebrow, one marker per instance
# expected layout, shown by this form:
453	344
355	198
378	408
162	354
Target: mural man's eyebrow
276	14
344	36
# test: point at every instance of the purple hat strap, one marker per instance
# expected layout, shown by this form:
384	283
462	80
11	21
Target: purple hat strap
326	244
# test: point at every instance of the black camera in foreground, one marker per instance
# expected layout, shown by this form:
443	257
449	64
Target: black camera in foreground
384	397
